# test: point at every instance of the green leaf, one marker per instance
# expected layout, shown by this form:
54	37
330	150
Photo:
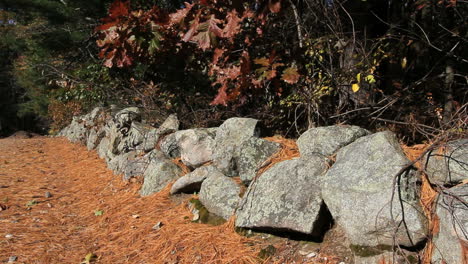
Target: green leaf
370	78
153	46
98	212
31	203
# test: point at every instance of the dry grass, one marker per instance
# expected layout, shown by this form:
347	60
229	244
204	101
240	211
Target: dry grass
427	199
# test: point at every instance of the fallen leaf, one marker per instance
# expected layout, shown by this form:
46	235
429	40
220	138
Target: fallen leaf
98	212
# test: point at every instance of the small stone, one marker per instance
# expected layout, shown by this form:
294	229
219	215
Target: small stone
311	255
12	259
136	216
157	226
49	205
48	195
8	236
303	253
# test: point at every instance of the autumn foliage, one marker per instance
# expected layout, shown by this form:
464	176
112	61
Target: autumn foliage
224	32
310	62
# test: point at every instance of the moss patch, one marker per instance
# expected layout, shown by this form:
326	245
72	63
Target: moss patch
267	252
205	216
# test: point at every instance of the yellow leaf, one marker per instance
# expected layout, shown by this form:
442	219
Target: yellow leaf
355	87
403	63
370	78
358	77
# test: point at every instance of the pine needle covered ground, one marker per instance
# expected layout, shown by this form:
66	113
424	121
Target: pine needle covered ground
93	215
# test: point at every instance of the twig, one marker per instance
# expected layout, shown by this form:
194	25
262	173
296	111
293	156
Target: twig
298	24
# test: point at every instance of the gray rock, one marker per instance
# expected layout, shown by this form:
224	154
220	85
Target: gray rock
169	146
119	162
92	118
136	166
252	154
386	257
103	149
150	140
448	167
452	209
125	117
192	182
94	138
194	146
358	190
134	138
159	173
115	136
170	125
327	140
230	135
77	132
220	195
286	197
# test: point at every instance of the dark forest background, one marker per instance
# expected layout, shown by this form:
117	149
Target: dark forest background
399	65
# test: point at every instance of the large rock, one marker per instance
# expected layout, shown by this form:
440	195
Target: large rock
94	138
103	149
192	182
169	146
327	140
386	257
118	163
220	195
170	125
449	166
452	210
230	135
135	166
358	192
251	156
92	118
77	132
194	146
125	117
150	140
286	197
159	173
135	137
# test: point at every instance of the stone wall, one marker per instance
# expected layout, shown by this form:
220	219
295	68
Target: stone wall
345	175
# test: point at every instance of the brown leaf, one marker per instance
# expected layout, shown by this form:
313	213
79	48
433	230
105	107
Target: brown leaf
181	14
262	61
193	28
290	75
217	54
208	31
221	97
232	27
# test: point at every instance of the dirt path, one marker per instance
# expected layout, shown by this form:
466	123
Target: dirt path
92	211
